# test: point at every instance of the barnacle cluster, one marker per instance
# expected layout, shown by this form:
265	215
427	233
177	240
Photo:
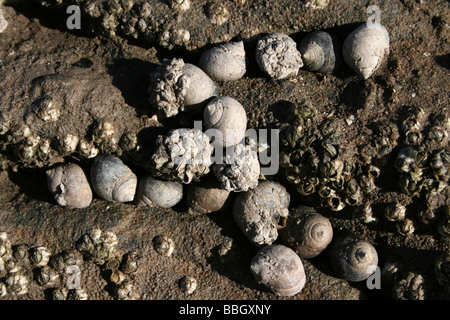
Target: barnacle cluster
423	162
317	163
182	155
12	278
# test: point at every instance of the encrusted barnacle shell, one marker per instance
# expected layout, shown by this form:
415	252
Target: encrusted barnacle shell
206	197
225	62
176	86
405	227
59	294
183	155
117	276
69	186
409	287
64	259
352	258
217	13
188	284
96	247
5	246
395	212
180	5
130	263
239	171
322	52
46	276
126	291
365	48
442	268
40	256
280	269
163	245
16	284
153	192
277	55
77	294
260	212
112	180
227	116
307	232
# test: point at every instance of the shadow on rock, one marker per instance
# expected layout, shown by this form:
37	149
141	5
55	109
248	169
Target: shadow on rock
32	183
131	77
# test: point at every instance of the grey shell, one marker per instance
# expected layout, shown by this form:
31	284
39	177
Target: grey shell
307	232
112	180
260	212
277	55
225	62
227	116
352	258
241	171
365	48
153	192
69	186
280	269
322	52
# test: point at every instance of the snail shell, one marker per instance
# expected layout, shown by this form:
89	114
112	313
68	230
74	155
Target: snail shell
201	88
228	116
365	48
163	194
69	186
280	269
307	232
260	212
225	62
353	258
322	52
112	180
206	197
277	55
177	86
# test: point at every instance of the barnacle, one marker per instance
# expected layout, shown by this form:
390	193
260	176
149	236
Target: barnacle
183	155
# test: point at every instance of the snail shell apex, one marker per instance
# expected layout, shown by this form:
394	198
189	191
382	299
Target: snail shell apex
228	116
69	186
112	180
307	232
365	48
352	258
322	52
280	269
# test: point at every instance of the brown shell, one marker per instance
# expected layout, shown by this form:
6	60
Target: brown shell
69	186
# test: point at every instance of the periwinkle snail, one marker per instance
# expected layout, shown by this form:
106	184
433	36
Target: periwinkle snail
178	86
260	212
153	192
307	232
352	258
280	269
69	186
225	62
322	52
112	180
227	116
206	197
365	48
277	55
